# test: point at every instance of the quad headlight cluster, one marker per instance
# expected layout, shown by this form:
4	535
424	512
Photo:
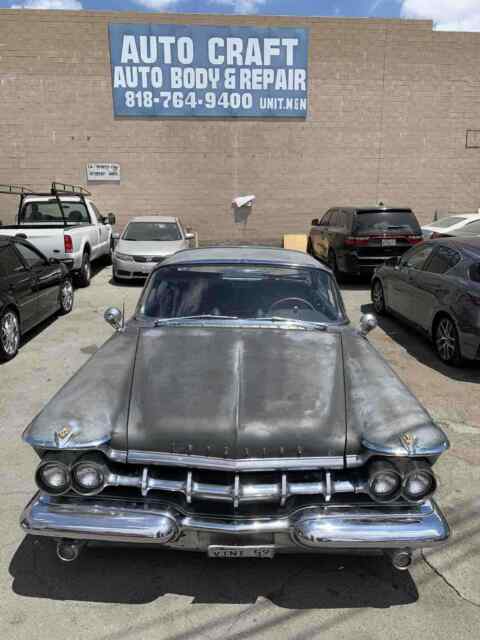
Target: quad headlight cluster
412	480
87	476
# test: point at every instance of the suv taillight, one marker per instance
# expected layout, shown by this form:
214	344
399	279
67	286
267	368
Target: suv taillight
353	241
67	240
414	239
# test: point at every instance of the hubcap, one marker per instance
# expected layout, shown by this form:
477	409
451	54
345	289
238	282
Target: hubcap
86	269
377	297
446	340
67	295
10	333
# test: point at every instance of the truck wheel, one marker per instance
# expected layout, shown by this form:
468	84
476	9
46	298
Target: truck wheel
66	297
85	273
9	335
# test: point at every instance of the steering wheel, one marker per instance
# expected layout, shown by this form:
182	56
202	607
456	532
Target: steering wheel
294	301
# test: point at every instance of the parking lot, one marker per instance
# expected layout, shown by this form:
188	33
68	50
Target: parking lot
118	593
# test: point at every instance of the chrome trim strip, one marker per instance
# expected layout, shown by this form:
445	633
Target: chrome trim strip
400	451
228	464
240	491
308	528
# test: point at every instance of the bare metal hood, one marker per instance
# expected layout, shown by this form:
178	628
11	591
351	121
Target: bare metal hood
238	393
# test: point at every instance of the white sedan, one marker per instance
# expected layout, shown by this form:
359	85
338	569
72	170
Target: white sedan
445	226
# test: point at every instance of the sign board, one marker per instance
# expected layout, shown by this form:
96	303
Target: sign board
185	70
103	172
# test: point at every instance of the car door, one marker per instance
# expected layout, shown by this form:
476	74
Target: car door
402	281
434	284
47	277
103	230
19	284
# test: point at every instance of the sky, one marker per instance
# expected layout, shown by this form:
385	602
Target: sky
450	15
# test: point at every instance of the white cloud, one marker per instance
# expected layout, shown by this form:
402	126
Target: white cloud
66	5
241	6
157	5
448	15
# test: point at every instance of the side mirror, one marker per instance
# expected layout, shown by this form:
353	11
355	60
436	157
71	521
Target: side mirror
315	222
368	322
114	317
189	235
111	219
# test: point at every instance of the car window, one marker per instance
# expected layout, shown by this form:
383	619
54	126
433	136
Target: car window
443	259
9	261
152	231
97	213
49	212
334	220
473	228
401	220
474	272
326	218
447	222
415	258
30	257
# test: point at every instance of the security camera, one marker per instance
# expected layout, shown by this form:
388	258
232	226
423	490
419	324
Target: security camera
243	201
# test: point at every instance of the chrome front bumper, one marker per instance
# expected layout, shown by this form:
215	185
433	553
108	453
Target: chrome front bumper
307	529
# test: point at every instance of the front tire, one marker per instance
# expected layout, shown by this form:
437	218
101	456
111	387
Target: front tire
378	298
447	344
9	335
85	273
66	297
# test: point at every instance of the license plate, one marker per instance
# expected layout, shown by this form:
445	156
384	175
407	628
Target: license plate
220	551
389	243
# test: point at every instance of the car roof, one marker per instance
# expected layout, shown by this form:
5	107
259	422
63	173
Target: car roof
244	254
153	218
373	208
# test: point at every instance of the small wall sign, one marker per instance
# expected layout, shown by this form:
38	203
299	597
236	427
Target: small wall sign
103	172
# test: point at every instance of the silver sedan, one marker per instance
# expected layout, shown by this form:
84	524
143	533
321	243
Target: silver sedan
146	241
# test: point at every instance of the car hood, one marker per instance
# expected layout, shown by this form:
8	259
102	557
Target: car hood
150	248
238	393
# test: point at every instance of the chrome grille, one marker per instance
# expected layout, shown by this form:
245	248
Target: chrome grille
242	489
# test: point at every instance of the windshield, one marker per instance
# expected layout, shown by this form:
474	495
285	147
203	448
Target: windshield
152	231
242	291
393	220
447	222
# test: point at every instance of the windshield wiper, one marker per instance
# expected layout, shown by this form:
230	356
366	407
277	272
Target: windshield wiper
308	323
206	316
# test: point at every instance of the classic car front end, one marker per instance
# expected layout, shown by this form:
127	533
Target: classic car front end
237	413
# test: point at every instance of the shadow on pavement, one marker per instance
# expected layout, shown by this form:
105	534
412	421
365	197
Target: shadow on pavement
139	575
418	346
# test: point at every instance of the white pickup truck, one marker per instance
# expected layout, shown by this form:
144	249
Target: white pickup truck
63	224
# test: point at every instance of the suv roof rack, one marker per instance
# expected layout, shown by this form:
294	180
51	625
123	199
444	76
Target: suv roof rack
61	187
15	189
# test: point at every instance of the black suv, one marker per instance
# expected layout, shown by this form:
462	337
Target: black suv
356	240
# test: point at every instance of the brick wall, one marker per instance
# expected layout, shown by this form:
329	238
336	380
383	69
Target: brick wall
390	102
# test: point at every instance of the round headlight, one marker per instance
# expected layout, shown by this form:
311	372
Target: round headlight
53	478
384	481
88	478
419	483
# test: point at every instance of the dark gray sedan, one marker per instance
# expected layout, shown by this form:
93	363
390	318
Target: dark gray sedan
436	287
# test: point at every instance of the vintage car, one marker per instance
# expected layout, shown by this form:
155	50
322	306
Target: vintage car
238	413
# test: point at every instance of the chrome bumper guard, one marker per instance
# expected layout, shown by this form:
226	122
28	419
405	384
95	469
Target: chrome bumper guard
306	529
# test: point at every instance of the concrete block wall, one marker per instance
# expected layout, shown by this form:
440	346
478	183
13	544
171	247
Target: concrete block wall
389	105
